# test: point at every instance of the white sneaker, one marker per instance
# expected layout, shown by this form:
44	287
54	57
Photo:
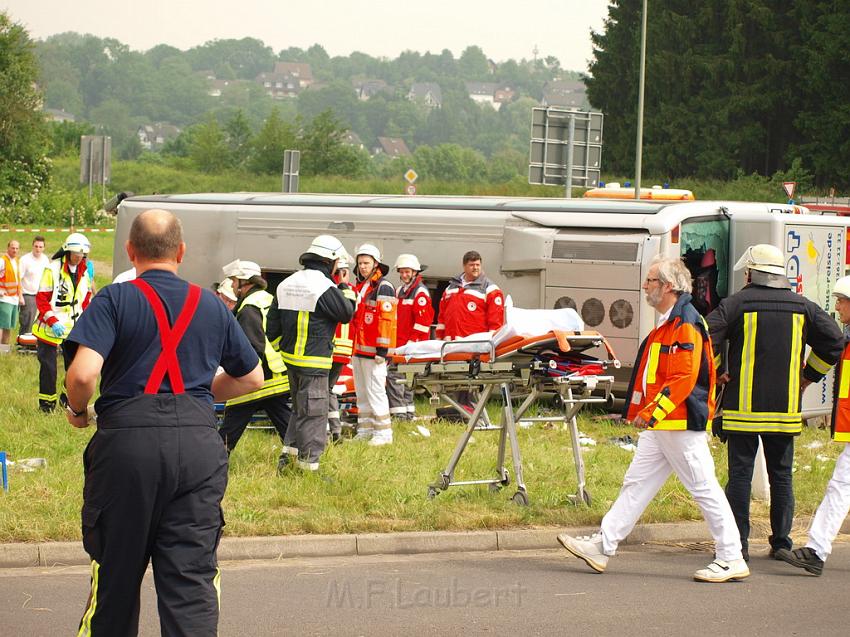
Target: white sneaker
381	437
720	571
363	434
587	548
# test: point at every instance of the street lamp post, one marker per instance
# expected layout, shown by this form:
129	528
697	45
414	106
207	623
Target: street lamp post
639	145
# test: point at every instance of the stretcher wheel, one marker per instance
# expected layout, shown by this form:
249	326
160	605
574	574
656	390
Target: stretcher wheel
520	498
506	478
444	482
432	493
585	495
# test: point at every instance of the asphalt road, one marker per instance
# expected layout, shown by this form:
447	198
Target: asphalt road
647	590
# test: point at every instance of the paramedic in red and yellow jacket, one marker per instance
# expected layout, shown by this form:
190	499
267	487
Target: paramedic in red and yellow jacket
471	303
374	334
671	397
836	502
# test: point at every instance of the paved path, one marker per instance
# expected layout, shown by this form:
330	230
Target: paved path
647	590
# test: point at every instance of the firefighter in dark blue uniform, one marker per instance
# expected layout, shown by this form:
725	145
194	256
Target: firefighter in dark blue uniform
155	469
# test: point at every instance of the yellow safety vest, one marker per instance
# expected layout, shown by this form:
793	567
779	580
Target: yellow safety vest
66	302
279	382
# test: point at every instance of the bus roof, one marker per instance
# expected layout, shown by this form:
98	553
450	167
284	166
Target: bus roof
524	204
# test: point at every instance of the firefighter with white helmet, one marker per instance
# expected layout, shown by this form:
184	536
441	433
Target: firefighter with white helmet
415	315
308	306
767	327
836	502
64	292
374	335
251	309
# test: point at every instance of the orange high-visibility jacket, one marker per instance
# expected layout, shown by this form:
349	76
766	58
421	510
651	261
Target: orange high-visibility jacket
677	362
375	317
10	282
841	404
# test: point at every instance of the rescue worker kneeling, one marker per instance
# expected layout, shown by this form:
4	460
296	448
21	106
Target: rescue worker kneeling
308	306
671	396
374	334
252	308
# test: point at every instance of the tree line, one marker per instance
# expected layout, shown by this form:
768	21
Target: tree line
733	86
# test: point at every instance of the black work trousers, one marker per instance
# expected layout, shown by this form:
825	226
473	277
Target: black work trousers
237	417
155	474
46	354
779	457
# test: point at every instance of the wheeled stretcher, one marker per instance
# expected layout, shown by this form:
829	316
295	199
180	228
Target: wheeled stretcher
551	363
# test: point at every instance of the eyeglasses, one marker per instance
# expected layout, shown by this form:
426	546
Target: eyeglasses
650	280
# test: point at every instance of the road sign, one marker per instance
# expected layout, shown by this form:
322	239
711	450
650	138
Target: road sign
291	170
789	187
553	148
411	175
95	160
410	189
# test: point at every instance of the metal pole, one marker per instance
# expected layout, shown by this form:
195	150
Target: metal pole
570	140
639	145
91	165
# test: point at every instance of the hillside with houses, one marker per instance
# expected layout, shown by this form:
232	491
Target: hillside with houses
150	101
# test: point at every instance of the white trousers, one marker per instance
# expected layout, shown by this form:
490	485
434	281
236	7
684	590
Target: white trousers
833	509
370	384
686	454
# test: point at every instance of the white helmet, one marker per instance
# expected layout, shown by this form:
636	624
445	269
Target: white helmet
762	257
342	262
226	290
325	247
409	261
76	242
370	251
241	269
842	288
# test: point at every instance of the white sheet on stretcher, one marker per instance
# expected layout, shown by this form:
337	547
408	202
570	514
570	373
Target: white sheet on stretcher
518	322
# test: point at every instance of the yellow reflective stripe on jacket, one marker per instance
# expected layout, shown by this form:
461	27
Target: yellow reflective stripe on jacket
277	384
301	335
262	300
666	404
764	421
317	362
818	364
841	436
85	624
652	362
797	321
671	424
762	427
844	385
748	361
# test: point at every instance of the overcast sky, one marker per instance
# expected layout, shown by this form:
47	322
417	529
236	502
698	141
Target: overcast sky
503	28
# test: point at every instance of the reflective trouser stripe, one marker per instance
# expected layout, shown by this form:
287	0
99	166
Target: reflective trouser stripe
49	397
748	360
85	623
217	584
794	365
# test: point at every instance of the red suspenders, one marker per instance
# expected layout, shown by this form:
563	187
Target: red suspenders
169	336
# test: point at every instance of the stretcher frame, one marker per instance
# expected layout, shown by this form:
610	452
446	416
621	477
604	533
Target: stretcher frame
517	369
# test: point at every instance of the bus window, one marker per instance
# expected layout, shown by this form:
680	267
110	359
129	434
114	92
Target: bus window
705	250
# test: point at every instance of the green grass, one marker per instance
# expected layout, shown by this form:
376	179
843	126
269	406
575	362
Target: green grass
360	488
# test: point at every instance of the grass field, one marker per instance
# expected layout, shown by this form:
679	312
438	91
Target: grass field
359	488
